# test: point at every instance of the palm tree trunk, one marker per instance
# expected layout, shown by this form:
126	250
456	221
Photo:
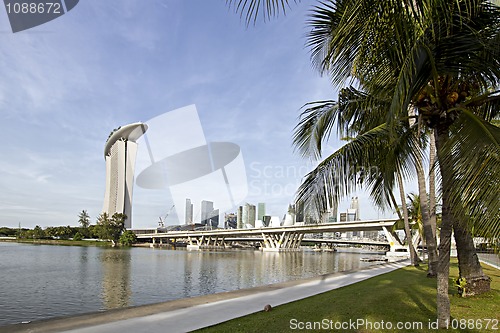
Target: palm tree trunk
468	262
443	267
413	254
432	183
430	236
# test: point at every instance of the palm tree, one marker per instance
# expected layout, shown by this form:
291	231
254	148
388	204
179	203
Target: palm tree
441	57
84	219
415	210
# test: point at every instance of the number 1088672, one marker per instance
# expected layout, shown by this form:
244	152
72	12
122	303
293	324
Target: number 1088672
34	8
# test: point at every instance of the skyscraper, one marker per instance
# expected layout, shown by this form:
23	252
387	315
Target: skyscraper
246	216
261	211
189	212
120	153
214	219
207	208
239	218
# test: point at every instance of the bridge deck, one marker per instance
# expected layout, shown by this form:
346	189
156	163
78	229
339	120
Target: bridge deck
370	225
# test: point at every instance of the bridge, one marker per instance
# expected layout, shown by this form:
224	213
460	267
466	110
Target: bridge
276	239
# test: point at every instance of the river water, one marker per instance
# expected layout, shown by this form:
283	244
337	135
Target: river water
45	281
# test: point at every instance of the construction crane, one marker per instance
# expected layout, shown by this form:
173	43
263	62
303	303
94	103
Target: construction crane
161	221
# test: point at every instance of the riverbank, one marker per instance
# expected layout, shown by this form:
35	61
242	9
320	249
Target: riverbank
403	296
66	242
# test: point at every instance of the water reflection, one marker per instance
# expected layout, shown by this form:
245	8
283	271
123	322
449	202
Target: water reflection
188	275
116	289
208	272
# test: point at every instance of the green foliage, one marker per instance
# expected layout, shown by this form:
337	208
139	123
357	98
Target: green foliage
84	219
128	238
25	234
110	228
61	232
9	232
461	283
78	236
92	231
38	233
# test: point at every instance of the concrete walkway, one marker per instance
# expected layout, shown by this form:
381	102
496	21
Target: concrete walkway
189	314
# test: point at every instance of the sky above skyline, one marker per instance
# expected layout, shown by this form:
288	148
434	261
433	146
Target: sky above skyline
67	83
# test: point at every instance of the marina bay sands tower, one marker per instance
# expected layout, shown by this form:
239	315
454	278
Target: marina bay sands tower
120	153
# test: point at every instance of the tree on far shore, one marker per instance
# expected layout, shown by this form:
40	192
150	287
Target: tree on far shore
128	238
84	219
110	228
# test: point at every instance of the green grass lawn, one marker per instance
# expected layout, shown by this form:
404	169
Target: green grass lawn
406	296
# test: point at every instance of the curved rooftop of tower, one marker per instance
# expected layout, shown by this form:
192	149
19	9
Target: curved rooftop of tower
130	132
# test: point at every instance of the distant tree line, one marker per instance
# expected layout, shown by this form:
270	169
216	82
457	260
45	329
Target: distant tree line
110	228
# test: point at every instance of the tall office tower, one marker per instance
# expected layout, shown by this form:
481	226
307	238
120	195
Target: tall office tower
244	216
248	215
261	211
207	208
214	219
119	153
189	212
239	218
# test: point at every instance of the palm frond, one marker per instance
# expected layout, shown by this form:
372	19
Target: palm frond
250	10
315	127
475	156
370	160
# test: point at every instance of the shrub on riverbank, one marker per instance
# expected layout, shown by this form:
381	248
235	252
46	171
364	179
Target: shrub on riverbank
128	238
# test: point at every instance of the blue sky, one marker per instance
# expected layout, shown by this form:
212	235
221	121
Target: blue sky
66	84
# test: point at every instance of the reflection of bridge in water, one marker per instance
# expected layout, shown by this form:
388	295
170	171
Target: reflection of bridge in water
283	238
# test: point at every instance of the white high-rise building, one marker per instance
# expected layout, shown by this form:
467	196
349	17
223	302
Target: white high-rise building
189	212
120	153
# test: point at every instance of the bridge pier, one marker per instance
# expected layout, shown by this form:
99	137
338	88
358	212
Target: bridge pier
154	242
192	247
286	241
397	248
206	242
